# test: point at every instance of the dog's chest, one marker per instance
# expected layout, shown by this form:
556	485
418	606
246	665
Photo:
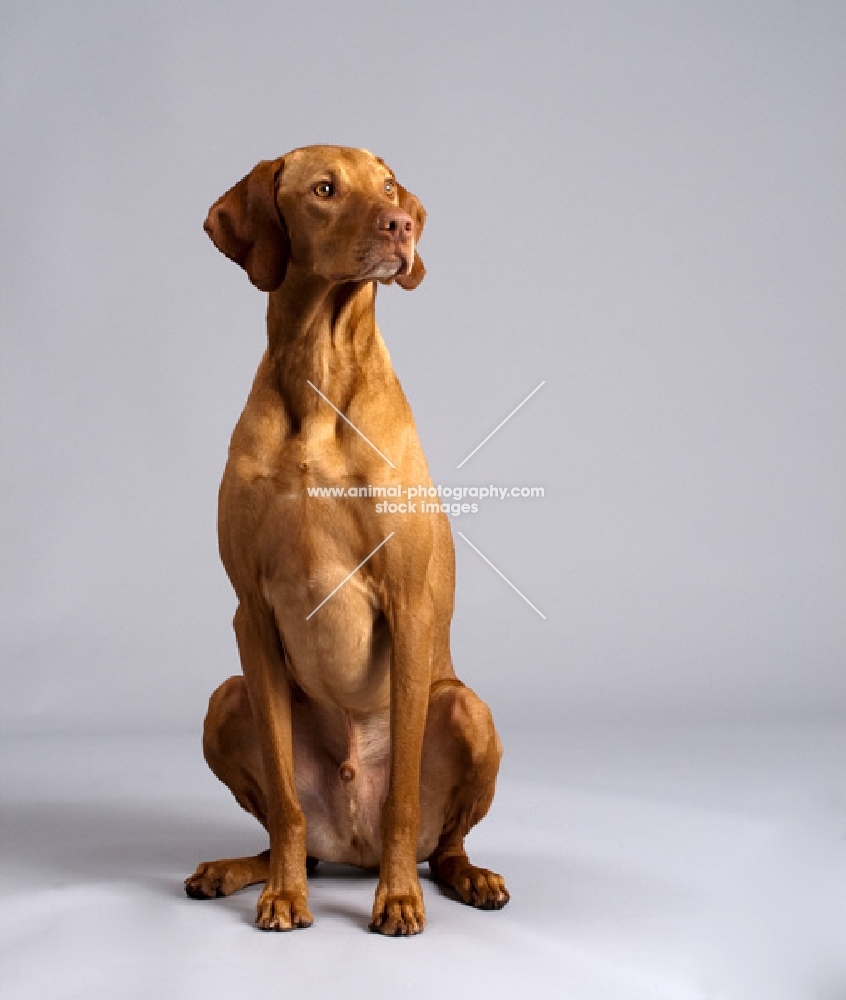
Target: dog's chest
301	518
327	609
338	646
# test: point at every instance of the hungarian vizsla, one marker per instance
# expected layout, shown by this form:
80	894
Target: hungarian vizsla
349	736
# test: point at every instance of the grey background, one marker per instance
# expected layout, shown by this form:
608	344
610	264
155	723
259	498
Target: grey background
641	203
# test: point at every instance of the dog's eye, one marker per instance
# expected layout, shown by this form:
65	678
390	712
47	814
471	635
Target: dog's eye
325	189
390	186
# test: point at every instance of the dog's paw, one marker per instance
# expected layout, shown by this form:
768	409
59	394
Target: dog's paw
480	888
282	911
398	915
210	880
222	878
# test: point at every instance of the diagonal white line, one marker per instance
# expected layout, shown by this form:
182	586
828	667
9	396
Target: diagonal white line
504	577
510	415
367	439
363	561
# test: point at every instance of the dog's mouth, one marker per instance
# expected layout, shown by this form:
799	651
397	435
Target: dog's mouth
382	269
389	269
398	263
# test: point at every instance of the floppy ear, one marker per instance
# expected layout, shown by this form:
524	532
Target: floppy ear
245	224
411	204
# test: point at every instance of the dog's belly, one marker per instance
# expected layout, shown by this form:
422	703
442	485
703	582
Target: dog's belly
343	813
341	770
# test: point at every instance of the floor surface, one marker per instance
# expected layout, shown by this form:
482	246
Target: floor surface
643	865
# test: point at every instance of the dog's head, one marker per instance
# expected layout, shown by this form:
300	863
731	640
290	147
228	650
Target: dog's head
331	211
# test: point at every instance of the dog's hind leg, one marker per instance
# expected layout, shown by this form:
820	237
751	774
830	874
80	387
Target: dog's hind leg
231	751
461	760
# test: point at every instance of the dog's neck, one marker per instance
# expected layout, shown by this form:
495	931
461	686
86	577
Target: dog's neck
320	332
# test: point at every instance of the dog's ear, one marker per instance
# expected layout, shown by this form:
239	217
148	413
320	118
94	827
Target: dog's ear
411	204
245	224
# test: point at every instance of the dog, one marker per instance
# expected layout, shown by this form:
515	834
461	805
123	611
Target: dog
348	735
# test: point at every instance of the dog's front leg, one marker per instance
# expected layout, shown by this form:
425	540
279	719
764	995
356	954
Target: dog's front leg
283	904
398	908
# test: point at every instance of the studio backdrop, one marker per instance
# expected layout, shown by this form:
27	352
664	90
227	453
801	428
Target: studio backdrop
637	210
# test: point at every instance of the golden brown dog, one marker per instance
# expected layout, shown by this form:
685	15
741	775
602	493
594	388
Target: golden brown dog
349	737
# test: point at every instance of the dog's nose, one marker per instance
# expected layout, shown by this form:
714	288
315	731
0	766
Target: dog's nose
396	222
